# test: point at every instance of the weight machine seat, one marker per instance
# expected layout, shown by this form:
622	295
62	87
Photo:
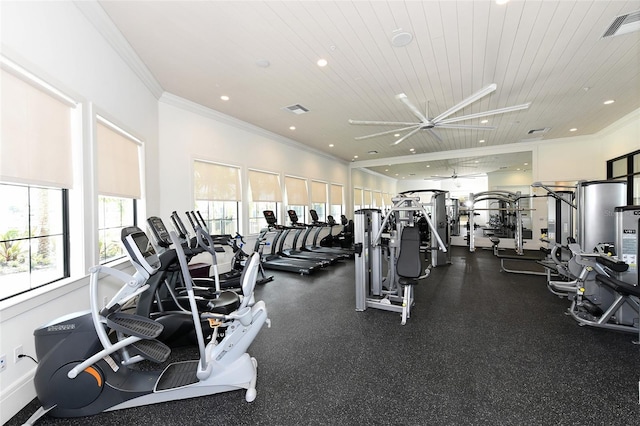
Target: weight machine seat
409	264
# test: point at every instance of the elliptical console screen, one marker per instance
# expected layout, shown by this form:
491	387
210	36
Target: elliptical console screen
160	231
143	251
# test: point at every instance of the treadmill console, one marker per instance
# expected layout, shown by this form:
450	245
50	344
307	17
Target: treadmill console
270	216
293	216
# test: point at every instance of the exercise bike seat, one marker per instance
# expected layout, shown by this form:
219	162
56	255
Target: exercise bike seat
225	303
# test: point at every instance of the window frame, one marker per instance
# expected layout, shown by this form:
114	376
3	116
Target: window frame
120	132
30	239
630	176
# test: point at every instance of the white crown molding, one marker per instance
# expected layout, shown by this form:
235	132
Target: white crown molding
196	108
374	173
96	15
632	118
448	155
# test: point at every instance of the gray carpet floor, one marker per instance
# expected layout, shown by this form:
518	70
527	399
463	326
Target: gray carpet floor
481	347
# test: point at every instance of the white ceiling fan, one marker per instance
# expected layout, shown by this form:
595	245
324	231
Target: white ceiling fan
441	121
455	176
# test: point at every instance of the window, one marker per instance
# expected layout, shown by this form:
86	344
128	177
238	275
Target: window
217	195
337	204
319	199
265	194
357	199
297	196
114	213
377	200
386	200
33	237
368	203
35	175
627	167
118	186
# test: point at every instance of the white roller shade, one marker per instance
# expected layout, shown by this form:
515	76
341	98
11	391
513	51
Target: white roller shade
357	197
386	197
377	199
265	187
36	135
216	182
318	192
367	198
296	191
336	194
118	163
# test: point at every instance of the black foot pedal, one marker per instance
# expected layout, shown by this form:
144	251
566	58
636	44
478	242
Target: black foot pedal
152	350
134	325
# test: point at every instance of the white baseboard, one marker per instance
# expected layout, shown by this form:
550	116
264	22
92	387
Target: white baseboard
20	393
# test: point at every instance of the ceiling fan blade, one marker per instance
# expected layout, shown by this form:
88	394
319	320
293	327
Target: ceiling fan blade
435	135
381	123
411	133
471	99
386	132
412	107
485	114
464	126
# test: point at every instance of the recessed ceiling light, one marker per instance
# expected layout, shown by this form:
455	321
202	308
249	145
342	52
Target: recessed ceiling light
355	156
609	102
322	62
401	38
526	164
573	129
224	97
428	165
330	145
386	170
292	127
481	141
397	135
412	149
476	161
484	121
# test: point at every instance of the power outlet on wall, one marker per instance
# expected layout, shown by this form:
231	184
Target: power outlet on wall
17	351
3	362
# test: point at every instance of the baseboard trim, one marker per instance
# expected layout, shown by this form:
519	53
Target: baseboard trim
17	396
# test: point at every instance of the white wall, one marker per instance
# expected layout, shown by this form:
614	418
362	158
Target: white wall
368	181
55	41
189	131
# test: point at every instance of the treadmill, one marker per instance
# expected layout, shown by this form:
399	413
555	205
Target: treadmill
275	261
342	253
278	244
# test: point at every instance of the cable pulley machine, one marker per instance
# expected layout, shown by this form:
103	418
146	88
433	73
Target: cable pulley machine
374	235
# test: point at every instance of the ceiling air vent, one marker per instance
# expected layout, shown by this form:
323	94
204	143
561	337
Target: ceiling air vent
623	24
539	131
296	109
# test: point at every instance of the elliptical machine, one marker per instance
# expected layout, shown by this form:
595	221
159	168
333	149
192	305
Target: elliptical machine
86	358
